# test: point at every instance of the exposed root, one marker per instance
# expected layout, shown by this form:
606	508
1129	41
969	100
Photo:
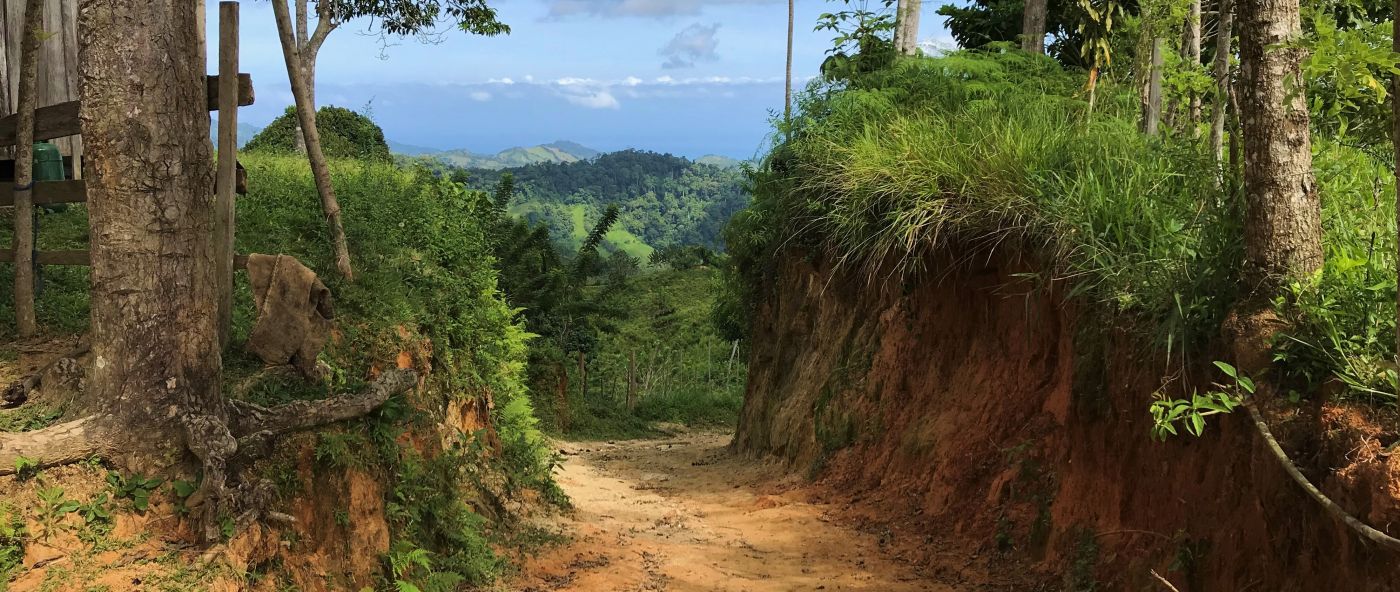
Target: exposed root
250	418
225	447
18	392
62	444
1332	508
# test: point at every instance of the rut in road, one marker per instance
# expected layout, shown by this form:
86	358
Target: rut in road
682	514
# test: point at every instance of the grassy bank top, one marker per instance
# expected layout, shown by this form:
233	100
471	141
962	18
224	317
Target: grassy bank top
983	150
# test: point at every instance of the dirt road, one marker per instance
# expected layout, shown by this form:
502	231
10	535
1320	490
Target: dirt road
681	515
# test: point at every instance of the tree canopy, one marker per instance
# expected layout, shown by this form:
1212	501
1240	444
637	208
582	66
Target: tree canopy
344	134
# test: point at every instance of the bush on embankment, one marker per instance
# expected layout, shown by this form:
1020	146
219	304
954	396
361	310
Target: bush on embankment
983	150
425	285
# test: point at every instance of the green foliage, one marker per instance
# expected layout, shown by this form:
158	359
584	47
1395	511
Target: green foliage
686	372
1192	413
344	134
1347	68
137	488
12	537
683	257
26	468
1341	322
418	17
982	23
54	504
662	199
864	39
979	151
30	417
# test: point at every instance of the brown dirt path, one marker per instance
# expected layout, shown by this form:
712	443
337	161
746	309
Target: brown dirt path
682	514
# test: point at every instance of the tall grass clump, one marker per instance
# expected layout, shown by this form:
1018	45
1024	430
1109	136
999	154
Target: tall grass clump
979	151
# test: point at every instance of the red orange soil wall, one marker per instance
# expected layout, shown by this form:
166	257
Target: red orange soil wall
965	414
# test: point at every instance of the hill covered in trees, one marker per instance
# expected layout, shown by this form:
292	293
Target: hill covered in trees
662	199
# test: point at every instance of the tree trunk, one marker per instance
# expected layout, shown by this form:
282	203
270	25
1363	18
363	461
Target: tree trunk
1152	107
906	28
632	378
150	208
1223	38
787	94
153	388
1191	47
1033	26
24	170
1283	229
1395	121
306	116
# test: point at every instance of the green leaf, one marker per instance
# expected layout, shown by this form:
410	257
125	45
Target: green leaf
1197	424
1227	369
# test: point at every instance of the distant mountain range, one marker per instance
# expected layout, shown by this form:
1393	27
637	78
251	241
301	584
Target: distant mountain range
559	152
245	132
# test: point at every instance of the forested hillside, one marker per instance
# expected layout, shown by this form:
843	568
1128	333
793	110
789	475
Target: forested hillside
663	200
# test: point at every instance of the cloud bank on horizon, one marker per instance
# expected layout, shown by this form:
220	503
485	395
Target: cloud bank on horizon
690	77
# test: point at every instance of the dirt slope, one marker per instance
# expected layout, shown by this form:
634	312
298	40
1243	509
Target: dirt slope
1003	424
683	514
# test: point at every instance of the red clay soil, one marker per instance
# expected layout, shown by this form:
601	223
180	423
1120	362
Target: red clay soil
984	422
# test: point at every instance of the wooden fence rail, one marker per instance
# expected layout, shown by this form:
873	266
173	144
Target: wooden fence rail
61	120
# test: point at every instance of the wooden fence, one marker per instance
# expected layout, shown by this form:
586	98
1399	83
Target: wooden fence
227	91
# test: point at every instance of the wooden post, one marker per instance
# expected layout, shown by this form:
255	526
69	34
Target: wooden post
631	380
24	170
224	184
582	377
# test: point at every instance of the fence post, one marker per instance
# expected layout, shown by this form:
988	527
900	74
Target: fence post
224	185
631	380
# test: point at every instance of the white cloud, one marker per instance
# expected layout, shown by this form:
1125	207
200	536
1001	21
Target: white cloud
598	99
506	81
480	96
696	43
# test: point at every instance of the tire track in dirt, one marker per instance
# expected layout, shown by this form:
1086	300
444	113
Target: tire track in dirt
682	515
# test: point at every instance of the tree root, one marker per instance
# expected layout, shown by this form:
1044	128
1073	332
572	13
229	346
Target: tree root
248	418
225	447
1332	508
18	392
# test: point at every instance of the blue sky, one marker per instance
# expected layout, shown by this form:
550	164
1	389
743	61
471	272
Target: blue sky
690	77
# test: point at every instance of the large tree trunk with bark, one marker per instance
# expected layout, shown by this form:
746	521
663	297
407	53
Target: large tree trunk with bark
1223	41
1283	229
1033	26
150	207
299	58
906	33
153	390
